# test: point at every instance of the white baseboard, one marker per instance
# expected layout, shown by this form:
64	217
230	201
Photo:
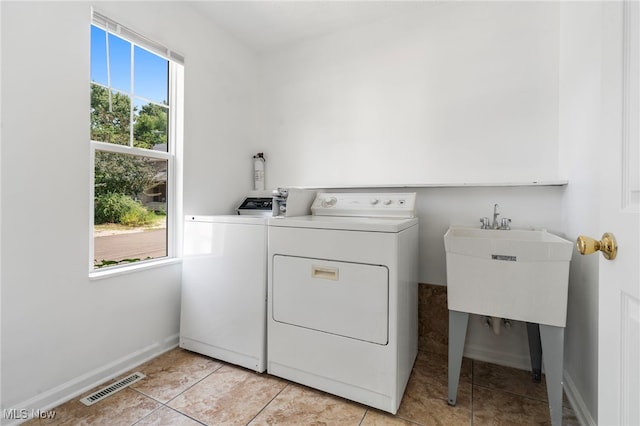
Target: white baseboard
577	402
79	385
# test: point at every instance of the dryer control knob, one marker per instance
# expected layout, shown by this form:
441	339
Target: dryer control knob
374	201
387	202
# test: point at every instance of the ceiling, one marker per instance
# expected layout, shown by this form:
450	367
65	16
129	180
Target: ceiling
265	25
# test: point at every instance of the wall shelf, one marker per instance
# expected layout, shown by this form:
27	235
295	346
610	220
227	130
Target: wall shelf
447	185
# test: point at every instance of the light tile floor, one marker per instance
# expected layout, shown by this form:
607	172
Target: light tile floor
184	388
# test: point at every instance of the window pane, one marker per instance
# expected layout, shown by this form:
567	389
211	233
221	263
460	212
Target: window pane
151	76
120	63
110	116
130	107
130	208
98	56
150	129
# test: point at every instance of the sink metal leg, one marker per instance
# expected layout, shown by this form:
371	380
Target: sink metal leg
553	349
535	350
457	332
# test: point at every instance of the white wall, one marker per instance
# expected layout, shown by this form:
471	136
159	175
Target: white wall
62	332
221	133
462	92
581	49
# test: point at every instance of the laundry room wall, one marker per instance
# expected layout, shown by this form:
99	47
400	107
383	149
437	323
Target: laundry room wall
460	92
581	99
61	331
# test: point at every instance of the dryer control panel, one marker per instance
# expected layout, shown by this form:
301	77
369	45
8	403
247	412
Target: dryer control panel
391	205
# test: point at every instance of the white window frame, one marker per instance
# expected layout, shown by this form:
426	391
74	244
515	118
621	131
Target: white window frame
173	156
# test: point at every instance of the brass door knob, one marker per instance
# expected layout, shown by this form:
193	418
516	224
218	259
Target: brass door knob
607	245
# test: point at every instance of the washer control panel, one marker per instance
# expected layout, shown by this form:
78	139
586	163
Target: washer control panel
391	205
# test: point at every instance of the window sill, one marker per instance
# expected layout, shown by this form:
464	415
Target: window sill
129	269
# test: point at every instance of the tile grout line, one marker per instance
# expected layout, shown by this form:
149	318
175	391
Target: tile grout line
190	387
164	404
186	415
150	412
196	383
366	410
267	404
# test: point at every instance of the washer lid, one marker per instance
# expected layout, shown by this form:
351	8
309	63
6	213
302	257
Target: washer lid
369	224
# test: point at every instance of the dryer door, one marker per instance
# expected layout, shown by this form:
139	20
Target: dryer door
342	298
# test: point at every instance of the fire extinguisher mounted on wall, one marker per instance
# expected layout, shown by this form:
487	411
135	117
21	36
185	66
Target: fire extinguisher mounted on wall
258	172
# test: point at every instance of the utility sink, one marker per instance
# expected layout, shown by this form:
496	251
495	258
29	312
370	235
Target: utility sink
516	274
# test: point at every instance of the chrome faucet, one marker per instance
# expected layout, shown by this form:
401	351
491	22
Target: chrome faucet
496	213
504	222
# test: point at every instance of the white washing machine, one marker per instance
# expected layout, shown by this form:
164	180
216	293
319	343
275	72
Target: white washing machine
343	296
224	289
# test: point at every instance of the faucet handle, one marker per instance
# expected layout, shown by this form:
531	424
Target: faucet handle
485	223
505	223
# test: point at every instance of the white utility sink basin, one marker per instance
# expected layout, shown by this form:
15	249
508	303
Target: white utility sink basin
516	274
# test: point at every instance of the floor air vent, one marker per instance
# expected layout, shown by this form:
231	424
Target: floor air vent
111	389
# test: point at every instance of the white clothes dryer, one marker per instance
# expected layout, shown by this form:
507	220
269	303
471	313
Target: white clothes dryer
343	296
